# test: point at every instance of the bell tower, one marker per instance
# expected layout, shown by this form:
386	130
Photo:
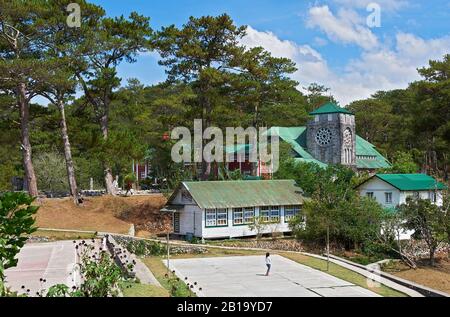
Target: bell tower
331	135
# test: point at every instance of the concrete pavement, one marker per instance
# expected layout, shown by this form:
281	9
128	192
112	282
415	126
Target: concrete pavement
243	276
53	261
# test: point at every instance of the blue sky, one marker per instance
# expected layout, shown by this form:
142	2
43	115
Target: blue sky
329	40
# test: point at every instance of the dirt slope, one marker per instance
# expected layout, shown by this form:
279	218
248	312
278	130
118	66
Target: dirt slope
106	213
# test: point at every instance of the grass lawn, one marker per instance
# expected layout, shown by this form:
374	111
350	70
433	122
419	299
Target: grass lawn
172	285
62	235
342	273
131	289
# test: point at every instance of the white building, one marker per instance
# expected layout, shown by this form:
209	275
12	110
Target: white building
391	190
225	209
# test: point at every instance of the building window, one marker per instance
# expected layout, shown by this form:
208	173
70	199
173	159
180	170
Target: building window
416	195
290	212
216	217
210	215
317	118
270	214
275	214
264	213
238	216
222	217
432	197
330	117
369	195
249	215
388	198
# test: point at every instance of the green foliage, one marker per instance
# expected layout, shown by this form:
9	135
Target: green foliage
51	171
414	120
101	277
334	205
429	221
146	248
16	221
402	163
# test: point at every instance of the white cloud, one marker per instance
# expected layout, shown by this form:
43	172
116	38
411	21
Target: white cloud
383	69
347	27
386	5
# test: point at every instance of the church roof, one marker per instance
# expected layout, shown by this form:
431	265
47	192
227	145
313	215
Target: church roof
367	157
330	108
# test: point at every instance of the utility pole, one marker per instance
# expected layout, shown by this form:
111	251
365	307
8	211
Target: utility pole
328	247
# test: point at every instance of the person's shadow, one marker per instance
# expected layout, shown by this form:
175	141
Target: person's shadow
261	274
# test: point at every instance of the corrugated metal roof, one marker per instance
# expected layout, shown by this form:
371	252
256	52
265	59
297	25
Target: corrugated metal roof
408	182
330	108
235	194
296	137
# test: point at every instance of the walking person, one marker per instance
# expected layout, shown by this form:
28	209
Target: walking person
268	263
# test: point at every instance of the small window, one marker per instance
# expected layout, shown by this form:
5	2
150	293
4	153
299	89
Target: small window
416	195
432	196
275	214
330	117
388	198
264	213
290	212
369	194
210	217
317	118
222	217
249	215
238	216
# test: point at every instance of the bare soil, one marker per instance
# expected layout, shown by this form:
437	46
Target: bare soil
437	277
106	213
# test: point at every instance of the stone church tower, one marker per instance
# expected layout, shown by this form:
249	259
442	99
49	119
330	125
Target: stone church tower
331	135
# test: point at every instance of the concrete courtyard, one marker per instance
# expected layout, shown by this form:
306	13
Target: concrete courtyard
54	262
243	276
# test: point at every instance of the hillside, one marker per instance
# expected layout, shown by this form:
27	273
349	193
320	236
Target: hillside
106	213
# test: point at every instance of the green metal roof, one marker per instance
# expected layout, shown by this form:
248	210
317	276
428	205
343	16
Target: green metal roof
408	182
329	108
367	156
235	194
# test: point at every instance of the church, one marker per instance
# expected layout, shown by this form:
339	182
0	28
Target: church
328	138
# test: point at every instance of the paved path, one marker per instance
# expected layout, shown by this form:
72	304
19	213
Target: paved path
243	276
52	261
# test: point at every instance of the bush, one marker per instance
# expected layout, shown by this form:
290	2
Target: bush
16	220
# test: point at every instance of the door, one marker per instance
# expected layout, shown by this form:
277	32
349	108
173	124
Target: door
176	222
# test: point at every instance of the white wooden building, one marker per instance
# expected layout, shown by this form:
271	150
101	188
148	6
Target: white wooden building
392	190
225	209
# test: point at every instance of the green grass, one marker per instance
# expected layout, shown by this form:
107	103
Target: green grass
342	273
132	289
174	286
62	235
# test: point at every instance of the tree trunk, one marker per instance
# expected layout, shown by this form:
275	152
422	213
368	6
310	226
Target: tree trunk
109	179
68	154
432	251
25	139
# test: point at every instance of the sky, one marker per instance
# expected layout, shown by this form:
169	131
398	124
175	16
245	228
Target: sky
336	43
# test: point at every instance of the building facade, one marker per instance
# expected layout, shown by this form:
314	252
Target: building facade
392	190
227	209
